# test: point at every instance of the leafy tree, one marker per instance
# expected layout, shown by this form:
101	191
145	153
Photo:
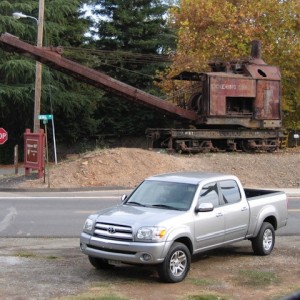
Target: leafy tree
222	30
132	34
70	103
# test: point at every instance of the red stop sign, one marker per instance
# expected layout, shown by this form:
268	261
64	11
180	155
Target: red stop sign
3	136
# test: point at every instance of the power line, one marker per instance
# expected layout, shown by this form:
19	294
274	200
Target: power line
111	58
123	55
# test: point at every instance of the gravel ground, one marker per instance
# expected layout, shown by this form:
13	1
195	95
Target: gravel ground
55	269
126	167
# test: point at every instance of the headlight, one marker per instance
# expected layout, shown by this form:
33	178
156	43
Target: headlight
89	223
151	233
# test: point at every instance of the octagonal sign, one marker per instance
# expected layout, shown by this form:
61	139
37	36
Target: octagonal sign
3	136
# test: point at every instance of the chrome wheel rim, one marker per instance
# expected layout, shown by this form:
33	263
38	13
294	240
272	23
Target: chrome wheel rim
178	263
268	239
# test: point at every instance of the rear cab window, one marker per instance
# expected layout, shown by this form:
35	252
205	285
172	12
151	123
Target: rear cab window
230	191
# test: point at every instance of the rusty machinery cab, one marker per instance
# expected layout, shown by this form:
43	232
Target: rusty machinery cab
238	94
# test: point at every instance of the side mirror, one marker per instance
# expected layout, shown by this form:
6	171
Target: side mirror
204	207
124	197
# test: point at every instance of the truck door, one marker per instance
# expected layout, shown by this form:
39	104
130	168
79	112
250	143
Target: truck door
235	209
209	226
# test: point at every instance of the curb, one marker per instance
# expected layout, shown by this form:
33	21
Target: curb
79	189
289	192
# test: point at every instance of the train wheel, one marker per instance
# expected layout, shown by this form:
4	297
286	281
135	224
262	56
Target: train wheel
245	146
273	145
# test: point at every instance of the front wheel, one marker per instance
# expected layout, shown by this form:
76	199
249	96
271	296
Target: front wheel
176	264
264	242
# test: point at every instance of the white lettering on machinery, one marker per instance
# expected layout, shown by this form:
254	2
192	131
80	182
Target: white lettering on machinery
224	86
242	87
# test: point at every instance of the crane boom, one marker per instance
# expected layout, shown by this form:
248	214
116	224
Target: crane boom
98	79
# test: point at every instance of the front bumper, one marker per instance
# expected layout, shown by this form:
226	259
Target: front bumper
126	252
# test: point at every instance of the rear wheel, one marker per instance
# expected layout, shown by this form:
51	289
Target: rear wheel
264	243
176	264
100	263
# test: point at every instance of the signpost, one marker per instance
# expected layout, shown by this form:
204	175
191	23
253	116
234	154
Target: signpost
3	136
45	119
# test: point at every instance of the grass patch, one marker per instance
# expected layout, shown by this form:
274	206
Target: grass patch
26	254
33	255
257	278
206	297
202	282
108	297
103	297
52	257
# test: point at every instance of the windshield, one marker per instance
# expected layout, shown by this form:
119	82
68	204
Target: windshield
160	194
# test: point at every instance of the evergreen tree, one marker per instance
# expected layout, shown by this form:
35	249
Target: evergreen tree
70	103
133	33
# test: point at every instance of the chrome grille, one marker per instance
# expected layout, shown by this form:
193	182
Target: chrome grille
113	231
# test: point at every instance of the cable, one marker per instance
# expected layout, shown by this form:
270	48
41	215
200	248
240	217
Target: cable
125	56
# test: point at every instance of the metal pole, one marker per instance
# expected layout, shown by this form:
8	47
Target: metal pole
46	149
47	154
54	140
38	70
53	130
16	159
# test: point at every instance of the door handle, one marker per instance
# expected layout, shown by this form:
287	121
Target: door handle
244	208
219	215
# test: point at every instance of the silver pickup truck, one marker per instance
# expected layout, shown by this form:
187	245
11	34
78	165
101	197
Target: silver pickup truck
170	217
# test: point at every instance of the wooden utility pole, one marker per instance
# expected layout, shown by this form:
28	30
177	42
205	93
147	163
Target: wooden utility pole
38	69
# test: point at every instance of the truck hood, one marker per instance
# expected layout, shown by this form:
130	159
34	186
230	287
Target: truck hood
137	216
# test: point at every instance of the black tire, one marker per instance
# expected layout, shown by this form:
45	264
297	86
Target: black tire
176	264
100	263
264	243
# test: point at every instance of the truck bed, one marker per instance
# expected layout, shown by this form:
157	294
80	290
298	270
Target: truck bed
251	194
271	200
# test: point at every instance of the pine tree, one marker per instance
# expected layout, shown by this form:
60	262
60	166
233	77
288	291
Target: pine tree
62	26
137	27
135	36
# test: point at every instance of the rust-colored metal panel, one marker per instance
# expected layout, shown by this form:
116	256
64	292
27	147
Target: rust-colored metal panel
263	72
225	86
267	104
54	60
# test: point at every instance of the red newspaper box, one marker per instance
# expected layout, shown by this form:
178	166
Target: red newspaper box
34	146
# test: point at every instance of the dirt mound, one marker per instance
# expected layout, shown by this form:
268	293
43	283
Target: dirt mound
126	167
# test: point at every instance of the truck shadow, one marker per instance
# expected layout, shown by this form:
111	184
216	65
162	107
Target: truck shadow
126	273
225	251
140	273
